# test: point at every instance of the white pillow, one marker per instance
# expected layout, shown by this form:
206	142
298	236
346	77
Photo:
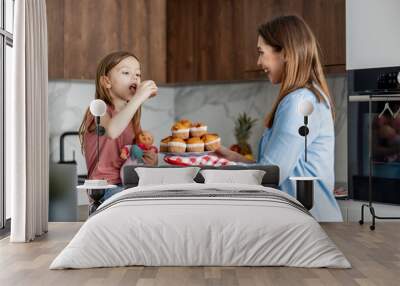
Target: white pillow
166	176
248	177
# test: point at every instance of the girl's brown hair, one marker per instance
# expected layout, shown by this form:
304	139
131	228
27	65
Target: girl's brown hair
292	36
103	69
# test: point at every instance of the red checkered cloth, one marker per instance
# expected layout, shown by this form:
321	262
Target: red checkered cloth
206	160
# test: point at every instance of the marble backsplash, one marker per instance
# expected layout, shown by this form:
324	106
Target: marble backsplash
216	104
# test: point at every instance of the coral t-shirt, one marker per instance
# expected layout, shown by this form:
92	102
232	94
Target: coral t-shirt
109	149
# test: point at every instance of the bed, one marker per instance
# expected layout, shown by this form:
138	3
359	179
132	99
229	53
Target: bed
199	224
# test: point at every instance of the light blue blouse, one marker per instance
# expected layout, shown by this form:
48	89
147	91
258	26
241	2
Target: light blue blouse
283	146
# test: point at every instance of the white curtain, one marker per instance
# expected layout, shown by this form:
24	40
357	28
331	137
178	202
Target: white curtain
27	124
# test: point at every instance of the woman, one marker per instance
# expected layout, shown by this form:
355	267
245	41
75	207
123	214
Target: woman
288	54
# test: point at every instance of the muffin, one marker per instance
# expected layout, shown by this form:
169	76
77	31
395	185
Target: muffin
194	144
180	130
164	144
198	129
176	145
185	122
211	141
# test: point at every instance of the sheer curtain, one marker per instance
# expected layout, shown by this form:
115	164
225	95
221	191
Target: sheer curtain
26	118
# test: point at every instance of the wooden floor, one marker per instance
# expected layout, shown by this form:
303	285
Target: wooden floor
374	255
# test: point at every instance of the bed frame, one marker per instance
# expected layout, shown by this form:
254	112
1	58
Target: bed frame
270	179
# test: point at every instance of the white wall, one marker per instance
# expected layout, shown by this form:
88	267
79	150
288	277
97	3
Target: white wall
372	33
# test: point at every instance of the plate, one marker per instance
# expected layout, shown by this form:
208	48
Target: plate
187	154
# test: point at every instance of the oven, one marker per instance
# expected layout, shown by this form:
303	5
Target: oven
374	135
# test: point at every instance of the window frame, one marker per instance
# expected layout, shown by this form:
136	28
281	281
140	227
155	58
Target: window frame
6	39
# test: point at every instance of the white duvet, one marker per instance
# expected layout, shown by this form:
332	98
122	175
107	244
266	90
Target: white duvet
200	231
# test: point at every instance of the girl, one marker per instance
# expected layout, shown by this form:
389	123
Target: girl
118	84
288	54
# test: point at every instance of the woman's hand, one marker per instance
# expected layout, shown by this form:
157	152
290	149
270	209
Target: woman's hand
150	158
146	89
232	156
226	153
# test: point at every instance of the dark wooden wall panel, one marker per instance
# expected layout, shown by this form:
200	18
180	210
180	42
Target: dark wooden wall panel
181	40
55	37
327	20
181	33
93	28
216	40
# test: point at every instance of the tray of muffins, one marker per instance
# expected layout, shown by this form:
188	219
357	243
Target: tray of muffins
189	139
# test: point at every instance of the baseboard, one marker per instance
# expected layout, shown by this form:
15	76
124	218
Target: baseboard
83	212
5	231
351	210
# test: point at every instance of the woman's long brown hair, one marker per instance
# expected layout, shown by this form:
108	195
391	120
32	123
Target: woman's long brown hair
103	69
292	36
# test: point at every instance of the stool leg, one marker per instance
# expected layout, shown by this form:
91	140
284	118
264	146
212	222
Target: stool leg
95	196
305	193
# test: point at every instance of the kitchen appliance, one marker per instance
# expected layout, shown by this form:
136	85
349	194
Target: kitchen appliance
63	180
374	137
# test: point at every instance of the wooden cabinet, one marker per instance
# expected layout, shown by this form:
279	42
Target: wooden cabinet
181	40
327	19
81	32
216	40
204	42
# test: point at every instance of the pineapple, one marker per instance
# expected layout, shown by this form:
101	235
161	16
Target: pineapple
243	126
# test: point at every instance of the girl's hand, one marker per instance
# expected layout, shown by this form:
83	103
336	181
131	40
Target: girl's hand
116	125
146	89
150	158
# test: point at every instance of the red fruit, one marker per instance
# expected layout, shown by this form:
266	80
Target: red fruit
235	148
396	123
387	132
380	121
